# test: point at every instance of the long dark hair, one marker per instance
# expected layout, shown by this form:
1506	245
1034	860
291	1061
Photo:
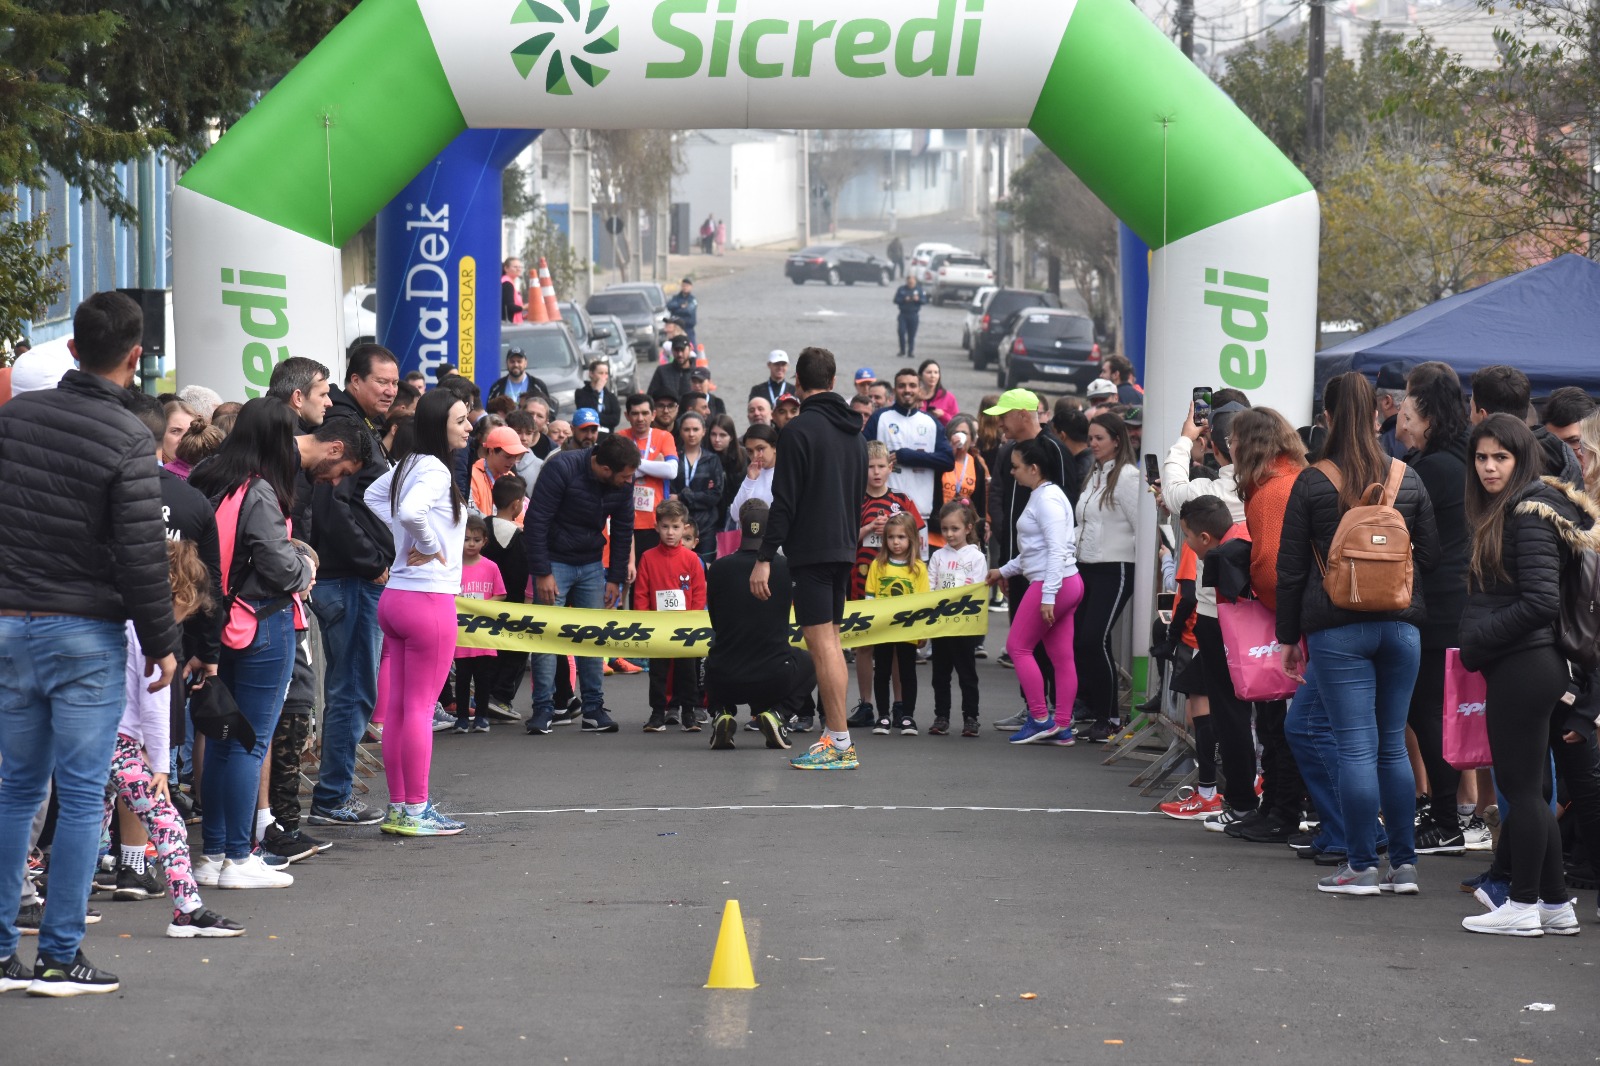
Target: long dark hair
261	445
1118	429
1487	513
734	459
431	425
1435	390
1352	436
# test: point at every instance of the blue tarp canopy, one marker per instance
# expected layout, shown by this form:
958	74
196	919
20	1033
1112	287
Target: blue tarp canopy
1544	320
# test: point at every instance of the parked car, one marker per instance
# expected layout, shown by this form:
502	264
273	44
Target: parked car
553	358
923	253
969	327
1049	344
613	343
953	275
652	292
834	263
642	321
995	323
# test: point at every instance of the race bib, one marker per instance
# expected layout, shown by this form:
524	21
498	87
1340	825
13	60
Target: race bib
873	540
644	497
670	600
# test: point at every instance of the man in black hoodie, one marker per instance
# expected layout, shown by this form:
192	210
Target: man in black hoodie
817	488
1504	389
355	548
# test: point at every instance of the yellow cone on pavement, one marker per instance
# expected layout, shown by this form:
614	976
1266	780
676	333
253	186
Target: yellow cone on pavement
730	965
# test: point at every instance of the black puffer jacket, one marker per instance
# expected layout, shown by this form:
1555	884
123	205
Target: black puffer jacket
350	540
817	485
1444	475
1310	521
80	511
1518	612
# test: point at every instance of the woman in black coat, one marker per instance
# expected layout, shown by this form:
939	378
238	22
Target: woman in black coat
1433	425
1524	530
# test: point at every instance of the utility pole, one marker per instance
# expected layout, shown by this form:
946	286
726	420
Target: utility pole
1186	27
1000	194
1316	72
805	188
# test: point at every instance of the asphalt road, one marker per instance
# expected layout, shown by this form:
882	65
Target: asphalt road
897	914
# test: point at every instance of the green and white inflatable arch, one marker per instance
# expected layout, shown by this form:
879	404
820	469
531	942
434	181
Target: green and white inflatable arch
1233	224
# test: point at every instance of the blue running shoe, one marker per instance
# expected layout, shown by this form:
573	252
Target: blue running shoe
1493	894
431	816
1035	731
1472	884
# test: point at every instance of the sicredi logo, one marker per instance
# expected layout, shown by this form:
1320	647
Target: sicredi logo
263	305
596	42
1468	709
1244	318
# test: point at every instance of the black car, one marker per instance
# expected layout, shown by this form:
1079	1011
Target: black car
642	321
995	322
834	263
552	358
1048	344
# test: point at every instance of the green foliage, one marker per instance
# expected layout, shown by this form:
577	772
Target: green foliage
1052	206
30	274
546	241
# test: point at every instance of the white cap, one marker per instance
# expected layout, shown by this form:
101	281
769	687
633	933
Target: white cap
41	368
777	355
1101	387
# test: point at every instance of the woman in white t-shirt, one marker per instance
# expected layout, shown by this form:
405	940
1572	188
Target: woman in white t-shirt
761	444
417	611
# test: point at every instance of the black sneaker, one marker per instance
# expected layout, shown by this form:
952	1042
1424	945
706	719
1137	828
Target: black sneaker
862	716
599	722
1301	841
1328	858
310	841
104	879
573	712
52	977
1246	820
656	724
723	731
907	725
690	720
1101	732
275	842
1436	839
141	885
969	726
29	917
939	728
799	723
1005	660
1269	830
670	717
14	976
203	922
880	728
772	729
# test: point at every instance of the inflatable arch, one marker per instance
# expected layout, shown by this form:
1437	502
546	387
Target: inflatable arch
1234	225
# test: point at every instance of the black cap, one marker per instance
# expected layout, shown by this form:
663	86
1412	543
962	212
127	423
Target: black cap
1393	375
700	373
753	523
679	343
514	353
688	281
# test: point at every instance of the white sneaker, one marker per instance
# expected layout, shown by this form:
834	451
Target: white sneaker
1562	921
443	720
1508	919
1476	836
252	873
206	870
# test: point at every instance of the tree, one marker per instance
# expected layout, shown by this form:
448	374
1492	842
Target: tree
30	276
1055	208
633	172
837	156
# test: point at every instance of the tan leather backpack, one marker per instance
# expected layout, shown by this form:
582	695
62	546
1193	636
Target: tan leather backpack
1369	561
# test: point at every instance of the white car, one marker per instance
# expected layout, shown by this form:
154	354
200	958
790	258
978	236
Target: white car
955	275
974	317
923	254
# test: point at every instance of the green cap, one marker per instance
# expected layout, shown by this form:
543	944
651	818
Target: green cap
1014	400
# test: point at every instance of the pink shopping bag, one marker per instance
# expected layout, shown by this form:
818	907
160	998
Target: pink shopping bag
1466	729
1248	634
728	542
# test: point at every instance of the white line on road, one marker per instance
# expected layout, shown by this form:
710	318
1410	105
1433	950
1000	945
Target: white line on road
794	807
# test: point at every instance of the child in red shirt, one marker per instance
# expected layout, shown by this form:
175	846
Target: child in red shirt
476	667
671	577
877	507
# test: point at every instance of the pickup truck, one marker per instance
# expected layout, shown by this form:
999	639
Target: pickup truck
956	275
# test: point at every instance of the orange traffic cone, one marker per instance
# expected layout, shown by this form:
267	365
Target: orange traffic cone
535	310
548	287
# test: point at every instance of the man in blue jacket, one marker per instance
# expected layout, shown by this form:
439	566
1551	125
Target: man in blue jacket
685	308
577	493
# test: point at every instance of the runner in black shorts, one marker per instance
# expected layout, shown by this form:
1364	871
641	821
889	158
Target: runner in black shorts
816	500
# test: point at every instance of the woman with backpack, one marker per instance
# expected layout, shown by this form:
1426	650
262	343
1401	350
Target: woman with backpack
1345	584
1524	531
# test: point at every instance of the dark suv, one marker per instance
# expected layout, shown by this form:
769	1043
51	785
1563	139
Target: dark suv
995	322
1048	344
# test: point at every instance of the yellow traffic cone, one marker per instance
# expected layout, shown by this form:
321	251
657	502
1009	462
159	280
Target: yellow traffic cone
730	965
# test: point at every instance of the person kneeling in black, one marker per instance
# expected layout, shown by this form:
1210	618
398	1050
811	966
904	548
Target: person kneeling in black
751	660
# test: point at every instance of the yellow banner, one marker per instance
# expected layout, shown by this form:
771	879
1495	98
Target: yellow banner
961	612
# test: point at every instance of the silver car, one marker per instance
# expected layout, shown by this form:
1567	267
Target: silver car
612	340
553	358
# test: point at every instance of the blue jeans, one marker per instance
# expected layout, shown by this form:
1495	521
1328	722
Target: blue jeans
258	677
1366	672
347	609
1311	739
62	691
576	586
906	327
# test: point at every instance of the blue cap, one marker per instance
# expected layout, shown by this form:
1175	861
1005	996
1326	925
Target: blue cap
866	374
585	416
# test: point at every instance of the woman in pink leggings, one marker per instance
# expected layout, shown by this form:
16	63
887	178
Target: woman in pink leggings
417	611
1046	556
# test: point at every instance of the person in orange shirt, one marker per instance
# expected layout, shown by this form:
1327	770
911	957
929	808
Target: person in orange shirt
501	449
658	465
967	481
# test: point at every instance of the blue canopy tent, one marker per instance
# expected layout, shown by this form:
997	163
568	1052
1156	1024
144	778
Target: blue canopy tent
1544	320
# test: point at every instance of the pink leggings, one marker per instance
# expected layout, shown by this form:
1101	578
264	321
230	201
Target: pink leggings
1028	631
419	640
132	781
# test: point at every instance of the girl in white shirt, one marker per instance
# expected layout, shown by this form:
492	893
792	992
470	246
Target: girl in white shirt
417	611
761	443
1108	512
958	564
1046	556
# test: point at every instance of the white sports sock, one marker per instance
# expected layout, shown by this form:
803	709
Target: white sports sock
1553	906
841	740
133	857
415	809
264	820
1207	792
